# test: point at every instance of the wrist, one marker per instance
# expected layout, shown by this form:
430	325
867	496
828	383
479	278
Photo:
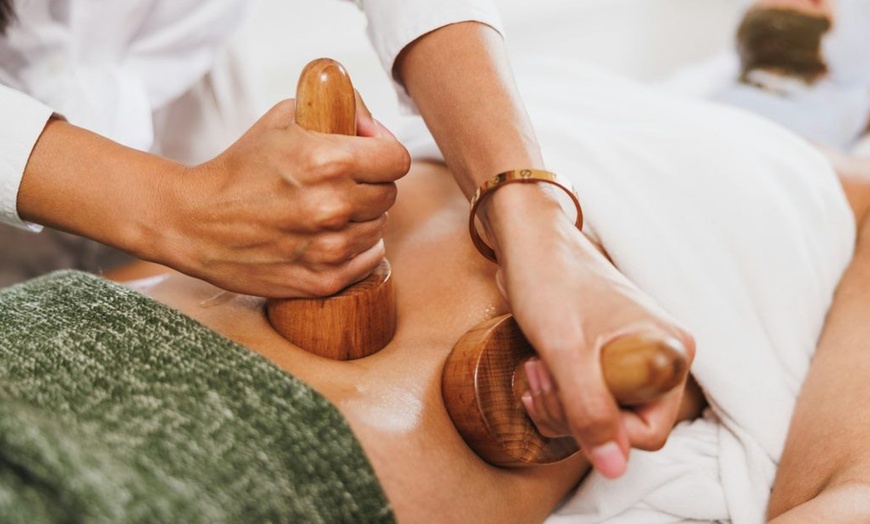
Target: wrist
150	223
514	203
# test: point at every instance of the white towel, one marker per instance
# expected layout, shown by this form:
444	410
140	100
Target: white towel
741	231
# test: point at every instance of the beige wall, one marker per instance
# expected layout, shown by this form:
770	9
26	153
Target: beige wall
644	39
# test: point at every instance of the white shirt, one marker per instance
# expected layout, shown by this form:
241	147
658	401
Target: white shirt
107	66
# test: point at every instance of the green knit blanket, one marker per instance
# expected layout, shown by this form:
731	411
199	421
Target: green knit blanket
115	408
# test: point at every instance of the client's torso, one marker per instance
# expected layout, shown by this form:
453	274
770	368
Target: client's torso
392	399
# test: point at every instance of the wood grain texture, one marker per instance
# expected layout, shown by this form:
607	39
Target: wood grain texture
354	323
325	100
361	319
483	380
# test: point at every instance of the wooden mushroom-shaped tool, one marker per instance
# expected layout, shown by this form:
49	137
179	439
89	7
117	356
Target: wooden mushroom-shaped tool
484	379
360	319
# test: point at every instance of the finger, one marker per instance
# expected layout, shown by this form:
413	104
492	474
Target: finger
531	399
336	248
373	160
280	116
362	265
366	124
550	402
542	424
592	414
649	426
370	201
325	208
325	282
545	410
314	157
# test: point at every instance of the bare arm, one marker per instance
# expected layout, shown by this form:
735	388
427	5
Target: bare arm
548	270
282	212
824	475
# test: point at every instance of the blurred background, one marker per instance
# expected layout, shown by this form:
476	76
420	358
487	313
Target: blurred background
647	40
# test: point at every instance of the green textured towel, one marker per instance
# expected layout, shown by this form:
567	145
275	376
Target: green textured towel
115	408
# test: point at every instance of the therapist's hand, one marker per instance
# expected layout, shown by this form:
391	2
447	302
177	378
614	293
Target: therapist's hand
570	301
285	212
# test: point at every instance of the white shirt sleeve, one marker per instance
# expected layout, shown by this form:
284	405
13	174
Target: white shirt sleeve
393	24
23	120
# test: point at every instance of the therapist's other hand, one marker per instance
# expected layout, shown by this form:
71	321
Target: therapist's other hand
570	301
284	212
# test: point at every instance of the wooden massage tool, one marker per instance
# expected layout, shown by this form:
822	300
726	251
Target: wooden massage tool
360	319
483	378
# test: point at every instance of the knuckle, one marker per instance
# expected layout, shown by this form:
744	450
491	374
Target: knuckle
328	162
332	213
334	249
282	109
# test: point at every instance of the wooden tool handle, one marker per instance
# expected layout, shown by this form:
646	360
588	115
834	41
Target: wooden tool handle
360	319
484	378
325	99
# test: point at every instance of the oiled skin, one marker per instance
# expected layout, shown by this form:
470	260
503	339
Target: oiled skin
392	399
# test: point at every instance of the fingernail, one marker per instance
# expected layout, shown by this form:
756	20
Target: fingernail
608	459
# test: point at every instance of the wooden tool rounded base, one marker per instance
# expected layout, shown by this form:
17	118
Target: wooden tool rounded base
353	323
483	380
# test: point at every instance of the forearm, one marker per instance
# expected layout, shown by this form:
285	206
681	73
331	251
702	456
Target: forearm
461	81
473	108
565	295
825	468
281	213
85	184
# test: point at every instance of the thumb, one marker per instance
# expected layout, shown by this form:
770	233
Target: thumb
281	116
366	125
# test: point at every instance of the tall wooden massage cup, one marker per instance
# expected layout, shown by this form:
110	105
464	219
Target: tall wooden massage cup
484	378
360	319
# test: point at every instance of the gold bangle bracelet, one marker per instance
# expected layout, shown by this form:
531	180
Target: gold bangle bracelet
510	177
